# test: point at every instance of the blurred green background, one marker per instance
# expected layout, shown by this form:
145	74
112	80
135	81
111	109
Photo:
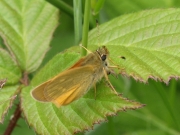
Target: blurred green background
160	116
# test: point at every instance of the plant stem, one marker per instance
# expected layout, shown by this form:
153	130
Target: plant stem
13	121
85	27
17	113
77	20
62	6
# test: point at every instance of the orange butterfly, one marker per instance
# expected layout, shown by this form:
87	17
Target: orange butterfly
74	82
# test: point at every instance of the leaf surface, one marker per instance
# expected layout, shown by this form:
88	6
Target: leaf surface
8	68
8	94
149	41
81	114
112	9
27	27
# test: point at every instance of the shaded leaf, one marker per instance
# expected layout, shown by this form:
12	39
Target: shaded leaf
46	118
149	40
113	9
8	68
8	94
27	27
164	120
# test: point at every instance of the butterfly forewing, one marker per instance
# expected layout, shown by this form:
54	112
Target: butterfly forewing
38	92
67	86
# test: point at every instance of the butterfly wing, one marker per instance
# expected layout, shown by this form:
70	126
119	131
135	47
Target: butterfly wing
66	87
38	92
69	85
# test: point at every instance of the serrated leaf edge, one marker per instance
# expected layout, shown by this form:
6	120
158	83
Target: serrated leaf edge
12	98
98	121
112	114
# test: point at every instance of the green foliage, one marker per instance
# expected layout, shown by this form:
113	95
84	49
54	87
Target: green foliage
77	116
6	99
9	68
113	9
27	30
148	40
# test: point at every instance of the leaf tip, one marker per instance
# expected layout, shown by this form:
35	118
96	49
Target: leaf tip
7	108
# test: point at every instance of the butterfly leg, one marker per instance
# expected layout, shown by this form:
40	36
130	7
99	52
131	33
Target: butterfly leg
106	76
117	66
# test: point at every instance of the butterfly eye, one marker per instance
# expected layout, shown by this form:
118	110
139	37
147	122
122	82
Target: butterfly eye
108	72
103	57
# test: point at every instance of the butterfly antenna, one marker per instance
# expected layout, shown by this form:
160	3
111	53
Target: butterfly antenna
85	48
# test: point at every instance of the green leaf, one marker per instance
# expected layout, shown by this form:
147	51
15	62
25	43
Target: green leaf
8	68
81	114
96	6
149	41
165	118
113	9
8	94
27	27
